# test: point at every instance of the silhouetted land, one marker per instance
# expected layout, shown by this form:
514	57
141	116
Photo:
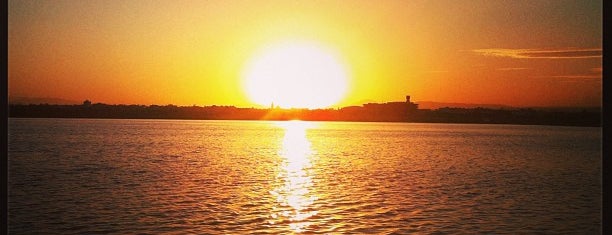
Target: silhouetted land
386	112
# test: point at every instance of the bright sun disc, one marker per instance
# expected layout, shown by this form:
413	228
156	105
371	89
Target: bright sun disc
296	75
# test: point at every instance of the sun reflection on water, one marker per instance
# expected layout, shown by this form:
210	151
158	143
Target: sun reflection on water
294	197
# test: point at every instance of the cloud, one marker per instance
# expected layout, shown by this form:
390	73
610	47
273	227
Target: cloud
597	70
542	53
591	75
437	71
579	80
511	69
574	77
578	76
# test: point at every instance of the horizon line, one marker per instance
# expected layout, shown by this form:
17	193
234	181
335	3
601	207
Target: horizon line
474	105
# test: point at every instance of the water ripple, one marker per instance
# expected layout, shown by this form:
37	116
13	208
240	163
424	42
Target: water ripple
72	176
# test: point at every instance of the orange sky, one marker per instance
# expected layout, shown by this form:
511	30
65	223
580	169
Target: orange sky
520	53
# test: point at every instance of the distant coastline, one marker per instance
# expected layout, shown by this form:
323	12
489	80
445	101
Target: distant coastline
372	112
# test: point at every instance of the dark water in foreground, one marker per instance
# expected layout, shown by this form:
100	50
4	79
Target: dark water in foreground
79	176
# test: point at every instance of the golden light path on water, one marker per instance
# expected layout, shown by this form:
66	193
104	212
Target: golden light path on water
239	177
293	196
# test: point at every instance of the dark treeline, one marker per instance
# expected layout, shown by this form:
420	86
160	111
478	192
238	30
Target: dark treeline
370	112
135	112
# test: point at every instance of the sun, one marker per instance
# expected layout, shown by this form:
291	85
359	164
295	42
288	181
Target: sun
296	75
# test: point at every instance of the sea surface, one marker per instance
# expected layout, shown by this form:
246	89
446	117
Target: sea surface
103	176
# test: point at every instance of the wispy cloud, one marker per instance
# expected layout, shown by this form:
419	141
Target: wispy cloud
597	70
571	53
577	76
511	69
437	71
592	74
574	77
580	80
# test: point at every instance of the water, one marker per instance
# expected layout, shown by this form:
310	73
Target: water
86	176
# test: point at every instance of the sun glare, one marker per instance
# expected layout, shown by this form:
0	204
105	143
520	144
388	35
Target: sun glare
296	75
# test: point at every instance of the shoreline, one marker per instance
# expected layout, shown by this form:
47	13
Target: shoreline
286	120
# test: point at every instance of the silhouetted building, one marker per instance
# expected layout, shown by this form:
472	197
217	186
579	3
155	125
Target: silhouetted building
411	106
390	111
404	107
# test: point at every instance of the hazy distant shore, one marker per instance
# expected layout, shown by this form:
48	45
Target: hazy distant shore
526	116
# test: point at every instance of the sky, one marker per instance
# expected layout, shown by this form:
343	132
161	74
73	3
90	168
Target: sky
518	53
